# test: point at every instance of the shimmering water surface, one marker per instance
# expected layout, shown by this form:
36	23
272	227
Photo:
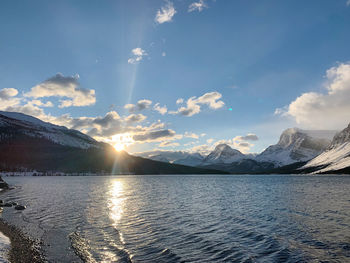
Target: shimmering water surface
186	218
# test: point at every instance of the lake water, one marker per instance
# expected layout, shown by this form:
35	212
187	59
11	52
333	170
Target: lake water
214	218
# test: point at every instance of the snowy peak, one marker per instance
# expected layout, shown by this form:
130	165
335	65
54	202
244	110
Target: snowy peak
341	138
13	124
290	136
223	154
336	157
294	136
296	145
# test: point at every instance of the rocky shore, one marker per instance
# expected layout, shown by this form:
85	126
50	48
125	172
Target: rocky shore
22	249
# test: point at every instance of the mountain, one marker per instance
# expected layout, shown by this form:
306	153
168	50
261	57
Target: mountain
27	143
335	159
296	145
12	123
192	159
243	166
176	157
223	154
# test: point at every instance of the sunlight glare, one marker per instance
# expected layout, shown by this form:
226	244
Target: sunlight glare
116	201
121	141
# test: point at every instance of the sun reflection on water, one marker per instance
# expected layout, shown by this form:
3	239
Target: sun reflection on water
116	209
116	201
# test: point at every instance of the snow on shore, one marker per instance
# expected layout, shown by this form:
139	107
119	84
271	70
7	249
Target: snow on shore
4	247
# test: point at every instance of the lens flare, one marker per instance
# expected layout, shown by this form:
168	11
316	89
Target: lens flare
121	141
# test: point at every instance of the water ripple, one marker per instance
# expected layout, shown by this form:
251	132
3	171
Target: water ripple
186	218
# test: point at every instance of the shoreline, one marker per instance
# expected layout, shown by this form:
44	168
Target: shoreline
22	248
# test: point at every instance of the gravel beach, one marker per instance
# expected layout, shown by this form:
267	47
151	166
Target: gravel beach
22	248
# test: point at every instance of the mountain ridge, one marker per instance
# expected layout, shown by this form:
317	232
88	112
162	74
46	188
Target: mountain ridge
28	143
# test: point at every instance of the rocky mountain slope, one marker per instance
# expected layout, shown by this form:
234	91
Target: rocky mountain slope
296	145
223	154
13	123
335	159
27	143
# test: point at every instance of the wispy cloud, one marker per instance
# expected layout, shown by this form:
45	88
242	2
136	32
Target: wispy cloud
348	3
137	55
161	110
165	13
180	101
169	144
191	135
197	6
193	104
154	135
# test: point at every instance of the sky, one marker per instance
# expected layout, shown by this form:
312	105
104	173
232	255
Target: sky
180	74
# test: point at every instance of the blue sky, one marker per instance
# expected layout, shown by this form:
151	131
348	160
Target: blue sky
256	57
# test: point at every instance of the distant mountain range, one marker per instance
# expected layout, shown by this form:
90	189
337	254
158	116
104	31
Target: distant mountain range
27	143
294	149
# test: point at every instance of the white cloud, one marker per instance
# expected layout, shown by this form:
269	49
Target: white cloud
8	93
161	110
166	13
138	54
211	140
139	106
324	110
29	109
163	54
180	101
8	98
40	103
191	135
203	149
135	118
193	104
64	87
197	6
348	3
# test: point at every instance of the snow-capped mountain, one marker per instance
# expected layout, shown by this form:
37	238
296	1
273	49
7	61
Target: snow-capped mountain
296	145
33	127
27	143
177	157
223	154
336	157
193	159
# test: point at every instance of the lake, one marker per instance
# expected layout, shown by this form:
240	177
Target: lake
185	218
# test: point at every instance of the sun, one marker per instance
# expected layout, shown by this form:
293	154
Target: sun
119	146
121	141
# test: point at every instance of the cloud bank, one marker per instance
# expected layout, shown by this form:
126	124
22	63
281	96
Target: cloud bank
324	110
